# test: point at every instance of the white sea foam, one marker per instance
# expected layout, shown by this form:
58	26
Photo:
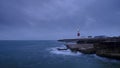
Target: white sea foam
62	52
54	50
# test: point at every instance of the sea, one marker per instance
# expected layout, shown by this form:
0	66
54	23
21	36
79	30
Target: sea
44	54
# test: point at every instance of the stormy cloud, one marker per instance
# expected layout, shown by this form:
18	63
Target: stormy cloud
56	19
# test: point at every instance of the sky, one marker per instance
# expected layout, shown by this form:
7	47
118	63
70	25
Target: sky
58	19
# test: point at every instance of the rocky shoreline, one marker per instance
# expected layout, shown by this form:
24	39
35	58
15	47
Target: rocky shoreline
109	55
84	48
104	47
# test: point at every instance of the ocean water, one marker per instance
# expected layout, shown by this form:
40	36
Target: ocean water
44	54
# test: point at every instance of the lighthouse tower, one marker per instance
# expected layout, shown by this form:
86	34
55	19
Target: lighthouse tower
78	34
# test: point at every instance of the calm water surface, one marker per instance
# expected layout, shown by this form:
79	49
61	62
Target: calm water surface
43	54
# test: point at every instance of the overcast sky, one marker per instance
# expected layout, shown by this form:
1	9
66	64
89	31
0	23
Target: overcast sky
57	19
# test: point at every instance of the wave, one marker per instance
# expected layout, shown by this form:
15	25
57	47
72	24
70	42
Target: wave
54	50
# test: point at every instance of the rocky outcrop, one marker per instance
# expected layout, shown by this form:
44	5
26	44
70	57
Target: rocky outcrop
105	47
84	48
108	54
108	49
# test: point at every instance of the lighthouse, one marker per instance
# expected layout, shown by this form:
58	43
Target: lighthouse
78	33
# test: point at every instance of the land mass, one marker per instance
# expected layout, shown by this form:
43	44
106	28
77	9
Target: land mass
102	46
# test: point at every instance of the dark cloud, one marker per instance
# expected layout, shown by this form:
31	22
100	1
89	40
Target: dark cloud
106	14
54	19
